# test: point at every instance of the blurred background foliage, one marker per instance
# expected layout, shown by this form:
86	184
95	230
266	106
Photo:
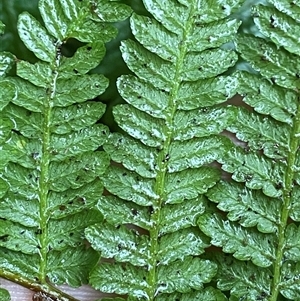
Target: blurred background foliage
113	65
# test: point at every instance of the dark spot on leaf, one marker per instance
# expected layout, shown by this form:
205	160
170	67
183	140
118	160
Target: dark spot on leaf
134	211
252	278
71	234
166	159
35	155
61	241
4	238
80	200
38	231
75	71
279	185
272	21
248	177
139	97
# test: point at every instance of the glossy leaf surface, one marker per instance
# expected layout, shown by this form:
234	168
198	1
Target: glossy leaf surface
259	215
50	167
172	125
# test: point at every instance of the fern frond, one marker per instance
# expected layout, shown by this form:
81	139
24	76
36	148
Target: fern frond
51	179
172	121
246	206
262	215
243	279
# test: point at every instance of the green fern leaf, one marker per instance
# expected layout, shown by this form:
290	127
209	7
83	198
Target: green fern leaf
4	295
244	244
290	285
50	177
172	120
247	207
7	94
243	279
285	27
259	218
268	99
6	62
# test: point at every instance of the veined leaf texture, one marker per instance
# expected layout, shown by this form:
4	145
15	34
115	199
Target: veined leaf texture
51	157
193	197
172	121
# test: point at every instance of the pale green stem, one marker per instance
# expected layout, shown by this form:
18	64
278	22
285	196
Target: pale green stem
286	197
162	165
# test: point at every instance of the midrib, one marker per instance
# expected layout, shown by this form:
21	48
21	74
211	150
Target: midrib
163	158
286	206
45	163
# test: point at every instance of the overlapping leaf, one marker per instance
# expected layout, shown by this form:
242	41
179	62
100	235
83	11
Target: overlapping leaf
51	179
262	209
172	119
